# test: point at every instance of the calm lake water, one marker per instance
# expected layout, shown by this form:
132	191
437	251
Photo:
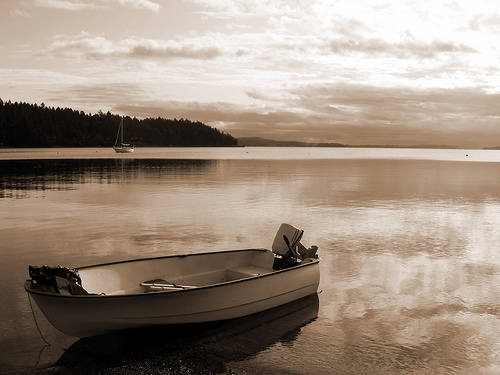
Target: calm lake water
409	242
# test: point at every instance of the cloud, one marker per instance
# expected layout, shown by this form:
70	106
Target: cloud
253	8
351	114
360	105
98	47
92	95
73	5
171	49
488	21
78	5
402	29
401	49
140	4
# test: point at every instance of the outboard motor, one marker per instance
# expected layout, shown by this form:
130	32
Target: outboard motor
287	249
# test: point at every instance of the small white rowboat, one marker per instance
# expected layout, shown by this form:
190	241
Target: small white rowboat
177	289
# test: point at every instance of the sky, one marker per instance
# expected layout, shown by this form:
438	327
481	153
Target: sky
380	72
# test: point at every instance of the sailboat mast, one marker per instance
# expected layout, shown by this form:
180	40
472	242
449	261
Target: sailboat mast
117	135
121	125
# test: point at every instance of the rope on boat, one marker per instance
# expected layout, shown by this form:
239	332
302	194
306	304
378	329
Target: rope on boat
36	323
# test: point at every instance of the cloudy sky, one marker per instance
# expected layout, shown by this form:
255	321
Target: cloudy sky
357	72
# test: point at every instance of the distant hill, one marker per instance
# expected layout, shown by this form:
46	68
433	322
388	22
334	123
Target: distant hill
262	142
32	125
256	141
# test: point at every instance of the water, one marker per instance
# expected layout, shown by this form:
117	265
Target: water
410	270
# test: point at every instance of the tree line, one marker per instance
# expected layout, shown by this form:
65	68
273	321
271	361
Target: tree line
32	125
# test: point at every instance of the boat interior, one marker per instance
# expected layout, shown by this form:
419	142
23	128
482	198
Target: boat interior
176	273
203	278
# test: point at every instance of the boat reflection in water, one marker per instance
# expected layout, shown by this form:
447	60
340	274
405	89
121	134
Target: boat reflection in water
191	348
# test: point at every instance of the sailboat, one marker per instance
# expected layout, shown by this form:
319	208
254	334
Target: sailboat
122	147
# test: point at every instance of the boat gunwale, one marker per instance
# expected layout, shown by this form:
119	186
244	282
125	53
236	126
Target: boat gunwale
29	282
168	256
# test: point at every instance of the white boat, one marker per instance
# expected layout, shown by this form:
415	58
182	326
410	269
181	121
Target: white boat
176	289
122	147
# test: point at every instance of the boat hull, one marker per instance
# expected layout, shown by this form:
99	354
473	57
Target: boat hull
89	315
123	150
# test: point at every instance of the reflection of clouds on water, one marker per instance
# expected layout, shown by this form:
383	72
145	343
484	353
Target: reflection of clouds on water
418	306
